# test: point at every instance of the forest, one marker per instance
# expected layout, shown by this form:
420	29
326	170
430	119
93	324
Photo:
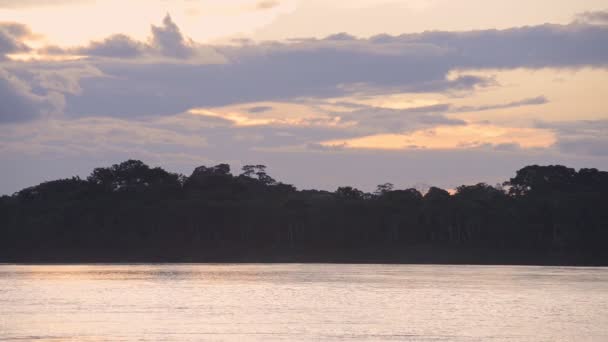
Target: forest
131	212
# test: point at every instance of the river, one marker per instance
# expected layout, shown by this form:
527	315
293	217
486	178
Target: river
302	302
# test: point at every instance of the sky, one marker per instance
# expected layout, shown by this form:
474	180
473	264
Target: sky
325	93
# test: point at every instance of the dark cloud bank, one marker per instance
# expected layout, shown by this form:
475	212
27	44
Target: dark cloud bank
330	67
139	84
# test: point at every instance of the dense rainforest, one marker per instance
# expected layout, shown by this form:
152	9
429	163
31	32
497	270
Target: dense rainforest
131	212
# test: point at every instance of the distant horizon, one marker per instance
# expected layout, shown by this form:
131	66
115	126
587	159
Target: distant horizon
239	171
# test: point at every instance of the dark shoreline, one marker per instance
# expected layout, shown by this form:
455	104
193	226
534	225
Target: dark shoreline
416	255
129	212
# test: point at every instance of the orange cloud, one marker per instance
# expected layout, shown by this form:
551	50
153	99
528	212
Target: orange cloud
274	114
452	137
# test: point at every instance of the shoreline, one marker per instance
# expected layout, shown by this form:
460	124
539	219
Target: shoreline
392	257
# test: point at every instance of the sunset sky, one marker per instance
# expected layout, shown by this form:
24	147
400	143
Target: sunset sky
326	93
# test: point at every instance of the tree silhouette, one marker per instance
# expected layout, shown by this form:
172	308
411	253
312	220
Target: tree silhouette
133	212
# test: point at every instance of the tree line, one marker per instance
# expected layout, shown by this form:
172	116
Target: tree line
133	212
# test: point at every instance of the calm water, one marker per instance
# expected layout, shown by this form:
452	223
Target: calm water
302	302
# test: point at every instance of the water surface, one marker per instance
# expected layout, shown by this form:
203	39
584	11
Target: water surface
294	302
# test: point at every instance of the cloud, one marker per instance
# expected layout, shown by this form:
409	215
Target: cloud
121	100
17	30
259	109
11	36
325	68
267	4
580	137
182	142
337	66
341	36
464	136
39	90
534	101
150	89
18	102
169	40
372	120
165	45
531	47
64	80
244	120
594	146
118	46
100	135
594	18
